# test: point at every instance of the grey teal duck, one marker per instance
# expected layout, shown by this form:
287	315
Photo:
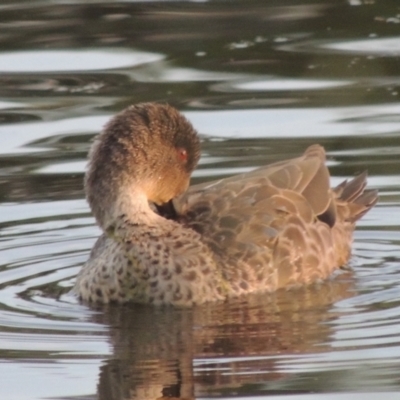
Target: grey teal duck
278	226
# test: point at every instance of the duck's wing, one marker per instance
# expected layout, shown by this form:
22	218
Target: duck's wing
277	221
283	185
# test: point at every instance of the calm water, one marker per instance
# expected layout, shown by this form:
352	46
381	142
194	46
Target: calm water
261	81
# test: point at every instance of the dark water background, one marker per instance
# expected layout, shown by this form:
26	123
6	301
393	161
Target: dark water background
260	80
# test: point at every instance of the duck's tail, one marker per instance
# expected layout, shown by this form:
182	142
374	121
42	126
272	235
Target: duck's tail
357	200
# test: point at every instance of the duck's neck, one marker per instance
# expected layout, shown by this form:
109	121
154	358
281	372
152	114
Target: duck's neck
133	206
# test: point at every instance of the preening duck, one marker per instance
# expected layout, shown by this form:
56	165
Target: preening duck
164	242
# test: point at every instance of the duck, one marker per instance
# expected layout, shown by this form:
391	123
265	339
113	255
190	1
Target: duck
164	242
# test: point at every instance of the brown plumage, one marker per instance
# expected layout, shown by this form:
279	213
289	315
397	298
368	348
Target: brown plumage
278	226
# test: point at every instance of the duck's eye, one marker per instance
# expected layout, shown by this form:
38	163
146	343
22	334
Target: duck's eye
182	154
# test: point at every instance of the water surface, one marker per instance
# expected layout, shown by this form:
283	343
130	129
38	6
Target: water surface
260	81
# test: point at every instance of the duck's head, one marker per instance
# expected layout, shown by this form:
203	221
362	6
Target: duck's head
145	153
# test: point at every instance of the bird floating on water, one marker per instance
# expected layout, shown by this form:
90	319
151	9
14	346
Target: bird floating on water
164	242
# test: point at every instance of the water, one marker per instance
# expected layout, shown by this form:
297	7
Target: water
260	81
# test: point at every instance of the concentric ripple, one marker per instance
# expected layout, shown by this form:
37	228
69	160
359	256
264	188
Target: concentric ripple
260	82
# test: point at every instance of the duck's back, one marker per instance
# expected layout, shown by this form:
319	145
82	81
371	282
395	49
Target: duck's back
280	225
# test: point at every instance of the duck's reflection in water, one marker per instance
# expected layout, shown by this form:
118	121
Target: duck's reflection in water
186	353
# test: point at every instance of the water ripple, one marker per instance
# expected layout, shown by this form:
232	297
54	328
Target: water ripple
41	61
